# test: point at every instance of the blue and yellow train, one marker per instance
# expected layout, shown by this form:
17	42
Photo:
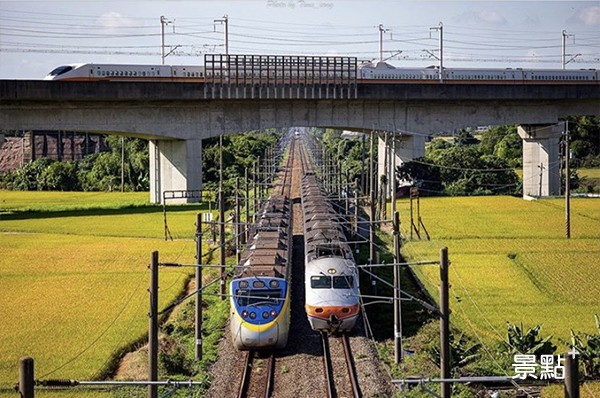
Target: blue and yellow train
261	289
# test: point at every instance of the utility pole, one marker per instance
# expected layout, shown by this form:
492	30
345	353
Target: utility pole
153	327
198	351
565	36
163	22
567	184
541	167
440	29
444	323
122	164
224	21
398	355
363	172
26	377
393	173
221	218
237	227
247	203
372	223
381	32
572	374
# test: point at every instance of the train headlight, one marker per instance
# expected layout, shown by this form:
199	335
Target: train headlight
243	284
345	310
273	313
274	284
244	314
253	315
319	310
265	314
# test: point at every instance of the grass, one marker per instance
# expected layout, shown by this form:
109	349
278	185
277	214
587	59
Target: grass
74	278
589	180
587	390
593	174
56	201
510	262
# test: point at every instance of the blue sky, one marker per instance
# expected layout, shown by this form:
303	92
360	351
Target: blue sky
36	36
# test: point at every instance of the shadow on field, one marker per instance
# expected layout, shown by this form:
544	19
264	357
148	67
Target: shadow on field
146	209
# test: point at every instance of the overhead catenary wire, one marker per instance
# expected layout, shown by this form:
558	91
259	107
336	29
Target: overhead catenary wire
256	36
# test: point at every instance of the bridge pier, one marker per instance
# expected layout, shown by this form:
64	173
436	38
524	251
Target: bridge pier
541	159
407	148
175	165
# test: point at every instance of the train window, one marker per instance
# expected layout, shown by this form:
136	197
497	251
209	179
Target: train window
328	251
255	297
60	70
320	282
343	282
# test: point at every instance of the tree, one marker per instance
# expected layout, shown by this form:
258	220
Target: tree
27	177
240	151
59	176
465	138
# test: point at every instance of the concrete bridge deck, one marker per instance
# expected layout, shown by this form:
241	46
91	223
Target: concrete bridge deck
177	116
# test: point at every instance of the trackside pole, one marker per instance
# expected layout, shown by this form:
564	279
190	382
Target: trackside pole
198	350
26	377
571	375
444	323
397	303
221	219
153	327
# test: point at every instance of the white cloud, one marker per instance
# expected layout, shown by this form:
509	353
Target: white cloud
113	20
481	17
491	17
590	16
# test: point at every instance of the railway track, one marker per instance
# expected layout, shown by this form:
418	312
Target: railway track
331	389
257	380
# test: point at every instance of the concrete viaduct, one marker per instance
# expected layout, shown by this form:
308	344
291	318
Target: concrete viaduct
175	117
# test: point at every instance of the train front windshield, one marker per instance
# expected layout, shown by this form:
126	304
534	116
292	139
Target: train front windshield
259	296
327	282
60	70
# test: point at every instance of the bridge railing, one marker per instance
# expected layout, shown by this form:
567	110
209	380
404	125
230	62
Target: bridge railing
279	76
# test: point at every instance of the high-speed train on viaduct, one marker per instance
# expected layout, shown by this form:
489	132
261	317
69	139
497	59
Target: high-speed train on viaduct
366	72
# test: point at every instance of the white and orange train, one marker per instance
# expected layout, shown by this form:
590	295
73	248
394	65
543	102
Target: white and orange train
367	72
331	276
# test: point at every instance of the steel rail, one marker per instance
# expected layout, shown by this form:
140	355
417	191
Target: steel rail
245	381
270	376
331	391
356	392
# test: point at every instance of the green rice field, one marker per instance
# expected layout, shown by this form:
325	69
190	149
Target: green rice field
510	262
74	276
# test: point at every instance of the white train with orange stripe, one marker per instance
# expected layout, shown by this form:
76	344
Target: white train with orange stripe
331	276
367	72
